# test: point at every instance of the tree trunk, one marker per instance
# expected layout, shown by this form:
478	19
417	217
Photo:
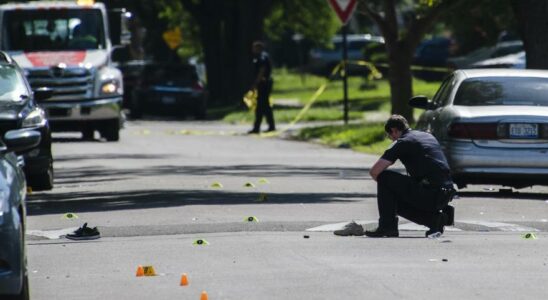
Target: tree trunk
401	81
210	33
227	30
248	29
531	15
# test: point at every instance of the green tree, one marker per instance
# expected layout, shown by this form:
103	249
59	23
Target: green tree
531	16
480	24
313	19
401	41
221	33
227	29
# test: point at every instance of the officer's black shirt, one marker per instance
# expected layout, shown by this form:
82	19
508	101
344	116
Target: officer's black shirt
262	60
422	157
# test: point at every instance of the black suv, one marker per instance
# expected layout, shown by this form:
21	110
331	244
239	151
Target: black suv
19	110
169	87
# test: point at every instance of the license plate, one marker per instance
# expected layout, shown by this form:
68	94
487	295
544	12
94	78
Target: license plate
523	131
168	99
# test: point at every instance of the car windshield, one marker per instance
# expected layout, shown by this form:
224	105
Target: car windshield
503	91
12	84
64	29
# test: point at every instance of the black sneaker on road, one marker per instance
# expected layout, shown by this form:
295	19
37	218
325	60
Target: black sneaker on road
84	233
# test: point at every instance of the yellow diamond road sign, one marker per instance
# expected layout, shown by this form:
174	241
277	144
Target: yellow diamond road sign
173	37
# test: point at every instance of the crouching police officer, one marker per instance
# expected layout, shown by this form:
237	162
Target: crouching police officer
422	196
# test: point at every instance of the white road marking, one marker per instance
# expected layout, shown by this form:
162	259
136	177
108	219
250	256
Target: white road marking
417	227
405	226
502	226
336	226
498	226
51	234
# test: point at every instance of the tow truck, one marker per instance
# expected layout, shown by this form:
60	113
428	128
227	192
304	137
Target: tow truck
66	47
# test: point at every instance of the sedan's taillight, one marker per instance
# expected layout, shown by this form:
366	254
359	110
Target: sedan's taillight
478	131
458	131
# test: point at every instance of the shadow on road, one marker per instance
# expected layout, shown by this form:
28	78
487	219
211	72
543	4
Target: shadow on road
113	156
83	174
44	203
512	195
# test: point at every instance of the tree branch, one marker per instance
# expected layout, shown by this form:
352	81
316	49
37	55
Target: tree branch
420	25
192	8
391	18
389	35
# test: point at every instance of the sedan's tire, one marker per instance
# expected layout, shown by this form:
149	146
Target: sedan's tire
200	111
42	181
88	134
111	131
200	114
135	109
24	293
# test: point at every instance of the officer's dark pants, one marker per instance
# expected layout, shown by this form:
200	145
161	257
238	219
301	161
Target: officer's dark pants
398	194
263	106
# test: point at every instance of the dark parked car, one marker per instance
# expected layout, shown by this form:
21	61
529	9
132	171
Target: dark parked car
19	109
13	263
432	53
169	87
492	125
321	61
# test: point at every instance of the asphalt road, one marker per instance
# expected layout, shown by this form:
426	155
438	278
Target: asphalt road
157	191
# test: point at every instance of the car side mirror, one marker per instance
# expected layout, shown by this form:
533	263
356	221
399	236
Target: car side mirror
43	93
419	102
21	140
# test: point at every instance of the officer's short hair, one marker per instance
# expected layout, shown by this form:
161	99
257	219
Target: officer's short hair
396	121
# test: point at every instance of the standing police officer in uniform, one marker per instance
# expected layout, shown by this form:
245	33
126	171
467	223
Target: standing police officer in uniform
263	83
422	196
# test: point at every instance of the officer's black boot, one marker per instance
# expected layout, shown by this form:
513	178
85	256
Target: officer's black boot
450	212
438	224
385	229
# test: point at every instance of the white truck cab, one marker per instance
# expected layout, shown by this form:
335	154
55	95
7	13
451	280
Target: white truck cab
66	46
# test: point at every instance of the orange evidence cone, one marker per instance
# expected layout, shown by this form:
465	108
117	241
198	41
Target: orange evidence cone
184	280
204	296
140	271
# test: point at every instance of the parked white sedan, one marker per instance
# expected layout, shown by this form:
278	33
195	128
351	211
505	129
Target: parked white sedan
492	125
